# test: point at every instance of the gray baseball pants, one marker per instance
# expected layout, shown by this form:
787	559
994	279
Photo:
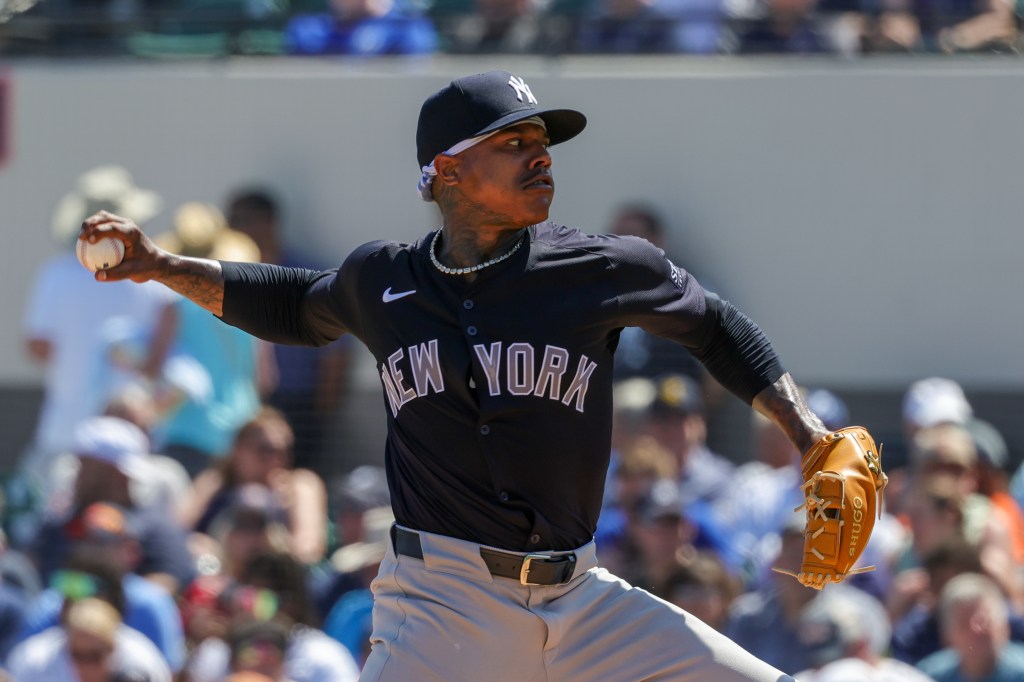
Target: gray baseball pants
445	618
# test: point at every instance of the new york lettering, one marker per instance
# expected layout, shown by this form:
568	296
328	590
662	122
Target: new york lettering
516	369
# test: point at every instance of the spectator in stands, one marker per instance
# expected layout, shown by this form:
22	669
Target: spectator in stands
927	402
911	603
675	418
645	27
637	465
702	586
310	381
947	452
240	367
766	621
148	608
283	597
91	644
67	309
261	454
362	27
165	480
111	453
499	26
975	629
362	489
662	536
254	522
354	566
788	27
847	633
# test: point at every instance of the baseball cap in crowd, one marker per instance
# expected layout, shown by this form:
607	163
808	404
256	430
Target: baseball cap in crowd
253	505
101	522
358	555
933	401
483	103
676	395
108	188
663	501
829	407
362	489
114	441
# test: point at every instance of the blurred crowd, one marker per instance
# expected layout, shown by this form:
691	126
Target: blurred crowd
178	518
546	27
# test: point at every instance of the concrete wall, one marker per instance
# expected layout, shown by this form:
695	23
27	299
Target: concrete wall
864	213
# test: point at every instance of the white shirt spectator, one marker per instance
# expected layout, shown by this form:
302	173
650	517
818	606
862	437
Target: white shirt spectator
45	657
312	656
68	309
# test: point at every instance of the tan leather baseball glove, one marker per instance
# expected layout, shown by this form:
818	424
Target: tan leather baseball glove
843	482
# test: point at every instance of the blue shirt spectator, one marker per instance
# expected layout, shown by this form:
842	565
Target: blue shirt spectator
351	621
640	27
361	27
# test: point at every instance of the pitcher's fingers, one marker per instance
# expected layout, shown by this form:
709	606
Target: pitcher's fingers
94	233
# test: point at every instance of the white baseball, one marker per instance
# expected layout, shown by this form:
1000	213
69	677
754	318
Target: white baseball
104	254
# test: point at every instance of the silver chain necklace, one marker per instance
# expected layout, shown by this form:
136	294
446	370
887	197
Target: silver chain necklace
474	268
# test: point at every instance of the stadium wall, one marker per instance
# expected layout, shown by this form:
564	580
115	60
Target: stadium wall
865	213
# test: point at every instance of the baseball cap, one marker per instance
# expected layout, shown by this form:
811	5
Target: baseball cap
108	187
114	441
101	521
935	400
253	504
663	501
357	555
362	489
677	395
483	103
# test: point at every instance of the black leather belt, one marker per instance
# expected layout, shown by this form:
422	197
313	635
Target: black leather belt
528	569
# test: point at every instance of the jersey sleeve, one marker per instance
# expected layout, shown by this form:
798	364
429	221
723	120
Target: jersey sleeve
654	293
293	306
666	300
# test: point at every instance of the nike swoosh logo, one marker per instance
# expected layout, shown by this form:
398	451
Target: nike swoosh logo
389	297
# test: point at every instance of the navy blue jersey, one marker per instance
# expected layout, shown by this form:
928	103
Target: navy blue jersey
498	391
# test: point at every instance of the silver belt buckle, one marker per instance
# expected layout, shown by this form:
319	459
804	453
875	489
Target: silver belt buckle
524	572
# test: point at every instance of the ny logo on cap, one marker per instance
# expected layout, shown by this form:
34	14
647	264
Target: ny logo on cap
521	88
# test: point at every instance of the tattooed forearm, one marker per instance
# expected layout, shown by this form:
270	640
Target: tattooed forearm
197	279
781	402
